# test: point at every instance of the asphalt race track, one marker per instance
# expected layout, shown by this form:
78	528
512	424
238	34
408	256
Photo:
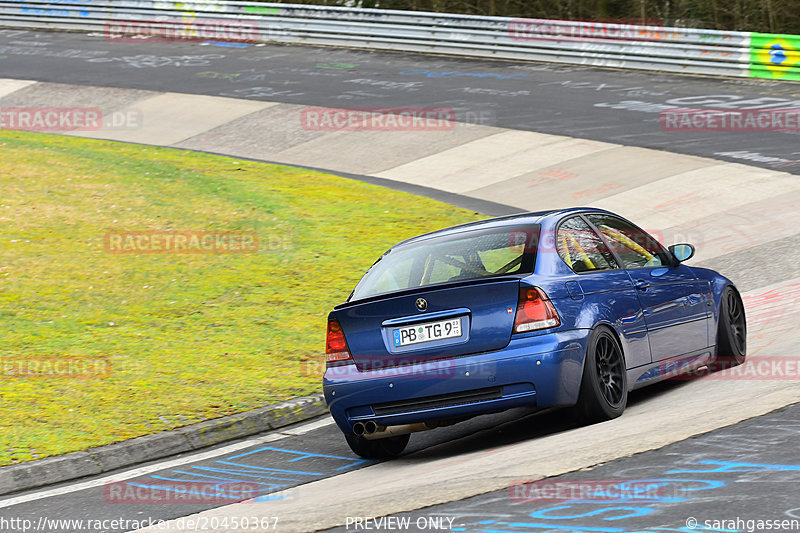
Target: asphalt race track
696	478
723	480
279	461
689	432
606	105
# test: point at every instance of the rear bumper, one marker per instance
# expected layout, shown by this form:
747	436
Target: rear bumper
540	370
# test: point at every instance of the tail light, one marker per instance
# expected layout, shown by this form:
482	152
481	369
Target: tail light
534	311
336	345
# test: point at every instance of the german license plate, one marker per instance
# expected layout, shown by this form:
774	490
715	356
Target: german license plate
429	331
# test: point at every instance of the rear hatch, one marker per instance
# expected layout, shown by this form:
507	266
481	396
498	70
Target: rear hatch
443	296
456	321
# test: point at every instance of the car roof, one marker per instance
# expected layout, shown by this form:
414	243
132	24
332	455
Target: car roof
535	217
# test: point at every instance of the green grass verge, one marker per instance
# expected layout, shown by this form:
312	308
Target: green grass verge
189	336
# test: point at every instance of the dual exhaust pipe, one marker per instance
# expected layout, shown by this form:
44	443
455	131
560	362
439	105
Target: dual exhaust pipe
365	428
372	431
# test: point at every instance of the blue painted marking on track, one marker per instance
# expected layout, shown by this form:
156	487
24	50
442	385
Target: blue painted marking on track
727	466
269	469
665	482
565	527
230	471
223	481
305	455
227	44
633	512
195	475
244	473
631	499
456	74
165	478
269	498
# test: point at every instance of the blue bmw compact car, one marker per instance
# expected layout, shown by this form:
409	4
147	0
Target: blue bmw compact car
564	308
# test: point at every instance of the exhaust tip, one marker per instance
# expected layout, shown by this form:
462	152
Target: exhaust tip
358	428
370	427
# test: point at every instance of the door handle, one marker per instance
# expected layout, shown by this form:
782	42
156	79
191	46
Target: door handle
641	284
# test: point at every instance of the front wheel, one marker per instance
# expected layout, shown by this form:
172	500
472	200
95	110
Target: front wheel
731	328
604	386
386	448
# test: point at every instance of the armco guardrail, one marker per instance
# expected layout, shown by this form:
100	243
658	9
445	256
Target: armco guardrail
695	51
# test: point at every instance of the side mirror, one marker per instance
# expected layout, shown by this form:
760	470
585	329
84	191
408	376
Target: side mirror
682	252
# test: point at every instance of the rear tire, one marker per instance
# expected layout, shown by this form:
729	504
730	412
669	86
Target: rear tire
604	385
379	448
731	329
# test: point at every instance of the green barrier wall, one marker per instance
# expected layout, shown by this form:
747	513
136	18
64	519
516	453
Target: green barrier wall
775	56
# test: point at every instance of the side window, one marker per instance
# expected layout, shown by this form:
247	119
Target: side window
581	248
635	247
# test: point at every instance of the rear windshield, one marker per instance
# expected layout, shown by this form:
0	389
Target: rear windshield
464	256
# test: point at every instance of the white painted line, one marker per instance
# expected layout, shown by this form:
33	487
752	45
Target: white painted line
311	426
121	476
